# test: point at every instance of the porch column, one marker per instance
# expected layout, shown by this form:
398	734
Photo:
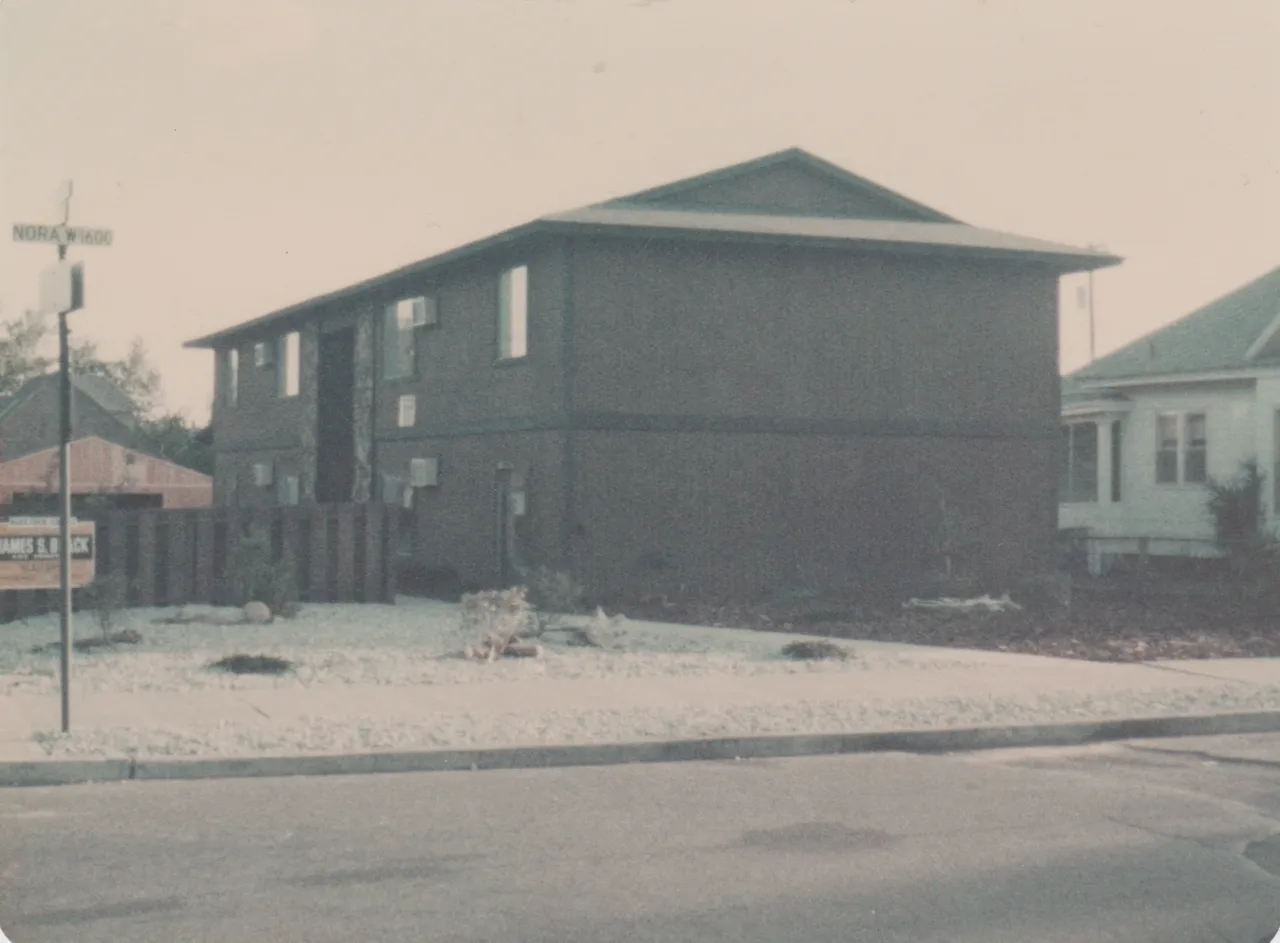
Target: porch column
1105	460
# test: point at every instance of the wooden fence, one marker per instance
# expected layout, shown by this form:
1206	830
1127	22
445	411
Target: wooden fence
341	553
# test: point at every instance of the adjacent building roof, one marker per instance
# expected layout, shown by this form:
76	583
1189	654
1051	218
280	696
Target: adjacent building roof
99	389
1238	331
788	197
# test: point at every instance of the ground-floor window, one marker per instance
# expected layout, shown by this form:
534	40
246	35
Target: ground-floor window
1182	449
1078	480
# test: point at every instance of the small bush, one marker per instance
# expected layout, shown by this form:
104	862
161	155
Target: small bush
254	665
816	650
498	618
105	597
1240	531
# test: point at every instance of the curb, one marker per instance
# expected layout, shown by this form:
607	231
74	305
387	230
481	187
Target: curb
70	772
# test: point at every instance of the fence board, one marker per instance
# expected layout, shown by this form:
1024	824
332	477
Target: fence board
145	578
345	547
318	583
372	552
178	562
117	542
205	584
390	551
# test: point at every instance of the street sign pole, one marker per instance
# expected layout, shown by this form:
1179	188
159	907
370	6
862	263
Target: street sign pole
64	483
68	288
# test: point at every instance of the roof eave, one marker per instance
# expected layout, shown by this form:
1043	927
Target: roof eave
1222	375
304	308
1068	262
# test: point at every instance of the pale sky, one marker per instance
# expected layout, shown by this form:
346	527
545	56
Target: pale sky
253	153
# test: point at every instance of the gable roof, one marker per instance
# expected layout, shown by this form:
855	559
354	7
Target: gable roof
179	474
99	389
798	164
1235	332
790	197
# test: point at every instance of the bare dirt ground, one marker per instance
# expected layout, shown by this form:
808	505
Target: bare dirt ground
1104	623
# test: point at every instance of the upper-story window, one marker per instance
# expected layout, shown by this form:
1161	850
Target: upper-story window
230	381
513	313
264	354
1079	470
1182	448
289	365
402	323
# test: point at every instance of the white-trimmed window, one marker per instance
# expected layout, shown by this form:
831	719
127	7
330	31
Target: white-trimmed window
1078	478
407	411
289	365
229	382
263	474
401	324
513	313
1182	448
263	354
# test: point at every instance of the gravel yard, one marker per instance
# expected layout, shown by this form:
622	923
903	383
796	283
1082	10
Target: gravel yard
413	643
384	678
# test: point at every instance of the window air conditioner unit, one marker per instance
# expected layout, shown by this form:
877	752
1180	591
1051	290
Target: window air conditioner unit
262	474
424	472
263	354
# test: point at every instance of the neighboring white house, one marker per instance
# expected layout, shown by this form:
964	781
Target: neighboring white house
1145	428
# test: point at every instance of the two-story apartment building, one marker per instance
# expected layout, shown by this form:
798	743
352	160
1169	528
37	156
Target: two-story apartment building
768	375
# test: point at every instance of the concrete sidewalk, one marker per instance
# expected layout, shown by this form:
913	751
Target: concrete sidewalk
1024	684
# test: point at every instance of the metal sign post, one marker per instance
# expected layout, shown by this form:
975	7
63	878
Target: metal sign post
65	287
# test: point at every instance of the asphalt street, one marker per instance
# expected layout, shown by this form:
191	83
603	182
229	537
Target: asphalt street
1126	842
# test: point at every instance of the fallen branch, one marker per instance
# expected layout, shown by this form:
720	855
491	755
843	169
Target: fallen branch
1003	604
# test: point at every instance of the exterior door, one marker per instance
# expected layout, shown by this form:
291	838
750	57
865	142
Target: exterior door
335	420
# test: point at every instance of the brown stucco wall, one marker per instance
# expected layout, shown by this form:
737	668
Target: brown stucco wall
459	381
838	397
700	328
457	521
740	513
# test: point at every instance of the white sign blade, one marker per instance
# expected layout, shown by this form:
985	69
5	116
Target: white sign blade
62	235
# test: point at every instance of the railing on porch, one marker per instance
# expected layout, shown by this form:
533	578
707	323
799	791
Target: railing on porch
341	553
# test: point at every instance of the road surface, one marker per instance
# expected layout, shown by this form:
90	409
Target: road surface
1115	843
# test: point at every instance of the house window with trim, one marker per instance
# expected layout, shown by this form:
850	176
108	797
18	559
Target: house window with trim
1079	471
230	377
1182	449
402	323
513	313
289	365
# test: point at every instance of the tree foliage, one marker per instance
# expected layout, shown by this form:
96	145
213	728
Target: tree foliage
166	434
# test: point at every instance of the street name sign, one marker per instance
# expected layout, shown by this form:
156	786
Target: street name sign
61	235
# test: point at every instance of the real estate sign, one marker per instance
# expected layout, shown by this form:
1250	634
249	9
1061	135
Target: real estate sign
30	550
